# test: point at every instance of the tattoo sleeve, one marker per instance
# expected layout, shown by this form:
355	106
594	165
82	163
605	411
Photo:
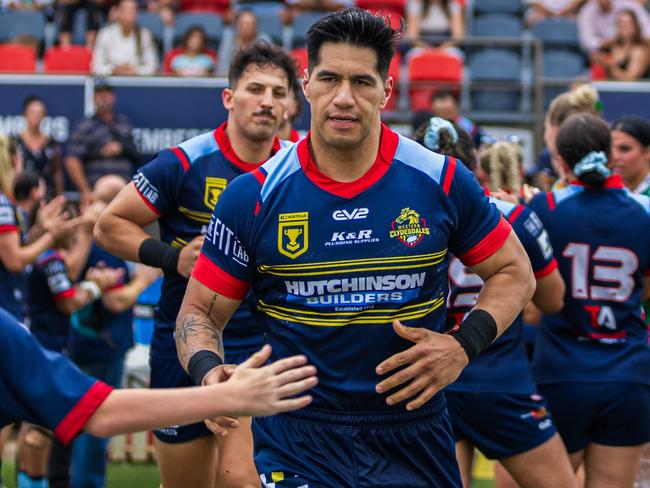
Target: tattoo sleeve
197	331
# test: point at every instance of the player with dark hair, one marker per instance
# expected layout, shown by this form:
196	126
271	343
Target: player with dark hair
494	404
343	238
179	189
592	359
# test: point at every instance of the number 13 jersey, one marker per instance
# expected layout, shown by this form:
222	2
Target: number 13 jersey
601	240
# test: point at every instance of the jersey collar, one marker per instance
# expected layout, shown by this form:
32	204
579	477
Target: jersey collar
387	148
612	182
221	137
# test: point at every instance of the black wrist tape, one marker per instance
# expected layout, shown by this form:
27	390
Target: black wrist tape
202	362
159	254
476	332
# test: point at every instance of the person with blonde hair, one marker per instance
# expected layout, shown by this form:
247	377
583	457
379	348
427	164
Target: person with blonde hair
502	163
583	98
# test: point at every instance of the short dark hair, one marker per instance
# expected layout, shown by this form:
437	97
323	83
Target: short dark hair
442	95
261	54
192	30
24	183
636	127
31	99
579	135
358	28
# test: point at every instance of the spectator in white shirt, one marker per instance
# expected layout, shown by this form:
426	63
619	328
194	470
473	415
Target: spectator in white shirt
597	22
124	47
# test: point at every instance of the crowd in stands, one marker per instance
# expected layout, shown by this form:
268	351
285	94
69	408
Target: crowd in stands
197	37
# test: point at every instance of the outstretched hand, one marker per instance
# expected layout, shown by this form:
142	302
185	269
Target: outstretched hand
435	361
267	390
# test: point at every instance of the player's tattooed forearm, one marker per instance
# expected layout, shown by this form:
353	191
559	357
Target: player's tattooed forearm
214	299
195	332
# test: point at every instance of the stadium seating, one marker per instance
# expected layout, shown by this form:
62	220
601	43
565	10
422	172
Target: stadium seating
211	23
73	59
497	25
16	58
270	24
169	55
299	55
561	66
513	7
557	33
301	23
393	9
502	68
212	6
432	69
153	22
21	22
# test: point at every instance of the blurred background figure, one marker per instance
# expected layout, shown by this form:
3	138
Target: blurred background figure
39	152
101	144
597	21
66	9
434	21
286	131
631	153
194	60
245	34
124	47
544	9
627	56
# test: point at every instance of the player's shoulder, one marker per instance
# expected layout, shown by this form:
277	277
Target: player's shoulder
5	201
415	156
643	201
277	170
194	149
547	202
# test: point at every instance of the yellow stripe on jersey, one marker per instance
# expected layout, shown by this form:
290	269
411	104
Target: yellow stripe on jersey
261	303
354	265
203	217
361	317
178	242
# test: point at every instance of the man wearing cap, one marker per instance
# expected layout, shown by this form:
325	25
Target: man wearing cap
101	144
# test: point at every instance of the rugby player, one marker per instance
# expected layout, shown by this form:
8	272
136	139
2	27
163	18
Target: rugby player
592	359
179	189
343	238
77	402
494	404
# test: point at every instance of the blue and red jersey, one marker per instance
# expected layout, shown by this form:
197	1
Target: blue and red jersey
182	186
12	285
48	282
504	366
602	244
43	387
332	264
98	334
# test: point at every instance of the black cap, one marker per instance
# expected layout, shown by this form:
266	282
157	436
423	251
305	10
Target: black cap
102	84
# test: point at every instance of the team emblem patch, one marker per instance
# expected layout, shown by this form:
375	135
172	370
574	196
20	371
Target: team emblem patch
213	189
293	234
409	228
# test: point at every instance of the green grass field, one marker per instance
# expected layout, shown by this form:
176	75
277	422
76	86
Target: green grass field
138	476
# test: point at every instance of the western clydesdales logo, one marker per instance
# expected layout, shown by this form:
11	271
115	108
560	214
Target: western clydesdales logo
213	189
409	227
293	234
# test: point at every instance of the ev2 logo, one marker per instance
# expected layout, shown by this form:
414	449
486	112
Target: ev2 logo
354	214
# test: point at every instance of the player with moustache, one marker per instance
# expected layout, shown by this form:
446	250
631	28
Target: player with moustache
179	189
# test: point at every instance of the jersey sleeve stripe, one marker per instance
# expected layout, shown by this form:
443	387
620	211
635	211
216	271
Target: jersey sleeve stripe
488	245
546	270
218	280
551	200
149	204
449	175
69	293
182	157
259	175
515	213
76	418
8	228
